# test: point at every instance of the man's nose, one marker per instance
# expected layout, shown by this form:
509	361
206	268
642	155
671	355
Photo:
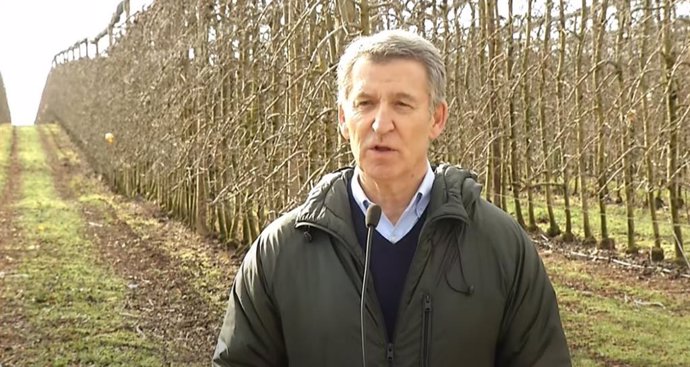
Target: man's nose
383	121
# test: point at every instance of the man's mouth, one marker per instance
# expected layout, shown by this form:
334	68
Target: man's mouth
382	148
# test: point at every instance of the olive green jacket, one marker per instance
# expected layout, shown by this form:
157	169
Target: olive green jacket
476	293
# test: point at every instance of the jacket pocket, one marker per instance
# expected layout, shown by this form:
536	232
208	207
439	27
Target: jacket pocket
426	330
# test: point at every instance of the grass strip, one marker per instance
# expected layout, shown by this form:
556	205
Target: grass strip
206	274
5	149
76	307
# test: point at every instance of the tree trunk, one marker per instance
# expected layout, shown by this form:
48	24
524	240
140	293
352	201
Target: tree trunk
626	118
668	58
364	17
201	176
568	235
599	31
553	229
495	135
514	154
581	113
526	100
483	76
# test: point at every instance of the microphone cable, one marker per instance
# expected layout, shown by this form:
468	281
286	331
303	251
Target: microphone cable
371	220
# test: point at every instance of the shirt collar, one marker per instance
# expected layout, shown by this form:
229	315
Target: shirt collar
420	200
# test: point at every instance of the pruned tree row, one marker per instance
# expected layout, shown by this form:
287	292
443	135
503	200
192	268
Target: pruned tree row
5	116
224	112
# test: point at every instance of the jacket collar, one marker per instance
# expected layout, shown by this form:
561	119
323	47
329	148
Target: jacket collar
453	195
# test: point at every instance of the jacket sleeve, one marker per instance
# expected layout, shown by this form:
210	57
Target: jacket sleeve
251	334
532	333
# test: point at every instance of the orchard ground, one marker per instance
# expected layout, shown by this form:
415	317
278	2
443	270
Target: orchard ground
88	277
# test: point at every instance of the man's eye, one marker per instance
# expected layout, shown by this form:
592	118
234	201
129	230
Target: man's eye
362	103
403	104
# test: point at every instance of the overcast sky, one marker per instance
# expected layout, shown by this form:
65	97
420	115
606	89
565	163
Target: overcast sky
32	32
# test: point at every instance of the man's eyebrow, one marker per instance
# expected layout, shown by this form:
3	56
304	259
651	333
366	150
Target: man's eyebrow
403	95
362	94
399	95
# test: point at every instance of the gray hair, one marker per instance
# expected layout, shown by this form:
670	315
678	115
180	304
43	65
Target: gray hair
394	44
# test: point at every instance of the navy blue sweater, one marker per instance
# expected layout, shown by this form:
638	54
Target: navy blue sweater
389	263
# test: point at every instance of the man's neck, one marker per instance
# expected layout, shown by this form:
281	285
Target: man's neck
393	196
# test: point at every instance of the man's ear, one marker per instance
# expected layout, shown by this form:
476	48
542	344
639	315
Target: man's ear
440	118
342	126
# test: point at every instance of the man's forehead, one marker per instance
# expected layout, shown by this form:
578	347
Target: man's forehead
372	77
368	65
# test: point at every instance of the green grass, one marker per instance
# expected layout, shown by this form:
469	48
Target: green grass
581	360
616	222
205	275
74	306
5	150
638	336
618	318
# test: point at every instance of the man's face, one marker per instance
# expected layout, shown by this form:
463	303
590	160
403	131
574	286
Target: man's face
388	120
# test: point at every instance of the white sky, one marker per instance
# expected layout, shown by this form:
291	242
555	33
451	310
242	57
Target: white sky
32	32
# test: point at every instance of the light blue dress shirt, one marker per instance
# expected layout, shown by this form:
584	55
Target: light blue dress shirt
409	217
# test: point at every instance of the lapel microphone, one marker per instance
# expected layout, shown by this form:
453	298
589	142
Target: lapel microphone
371	220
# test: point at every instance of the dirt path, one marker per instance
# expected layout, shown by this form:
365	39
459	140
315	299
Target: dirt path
11	341
164	288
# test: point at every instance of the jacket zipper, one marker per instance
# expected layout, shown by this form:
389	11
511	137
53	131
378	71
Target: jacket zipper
376	316
389	352
427	315
423	238
426	330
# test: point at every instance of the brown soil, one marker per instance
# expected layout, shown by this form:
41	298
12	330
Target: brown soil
640	272
170	309
672	286
11	341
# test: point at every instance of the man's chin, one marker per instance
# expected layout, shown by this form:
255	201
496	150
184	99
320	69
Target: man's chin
380	172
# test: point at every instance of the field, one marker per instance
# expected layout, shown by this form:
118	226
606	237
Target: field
90	278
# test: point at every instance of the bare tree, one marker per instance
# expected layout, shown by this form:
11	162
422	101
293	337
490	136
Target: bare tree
568	236
526	100
606	242
626	119
642	91
5	116
496	136
553	229
512	122
668	59
579	106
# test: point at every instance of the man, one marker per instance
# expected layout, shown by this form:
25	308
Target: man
456	282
